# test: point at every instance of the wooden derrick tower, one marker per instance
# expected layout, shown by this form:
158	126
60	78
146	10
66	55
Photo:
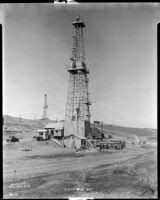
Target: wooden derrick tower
77	114
45	108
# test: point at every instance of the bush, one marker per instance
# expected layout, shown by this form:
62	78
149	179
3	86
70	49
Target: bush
149	178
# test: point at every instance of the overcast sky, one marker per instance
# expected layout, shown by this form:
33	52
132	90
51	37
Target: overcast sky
120	47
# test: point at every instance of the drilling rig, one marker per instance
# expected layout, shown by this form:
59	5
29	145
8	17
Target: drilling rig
45	108
77	114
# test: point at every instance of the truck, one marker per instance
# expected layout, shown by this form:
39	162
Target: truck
12	139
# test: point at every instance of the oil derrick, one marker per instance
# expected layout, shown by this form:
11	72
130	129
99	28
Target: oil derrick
77	114
45	108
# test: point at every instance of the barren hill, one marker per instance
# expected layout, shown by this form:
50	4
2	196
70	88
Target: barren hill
127	132
15	125
26	125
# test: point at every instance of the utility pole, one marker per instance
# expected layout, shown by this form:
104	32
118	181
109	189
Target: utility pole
102	130
20	119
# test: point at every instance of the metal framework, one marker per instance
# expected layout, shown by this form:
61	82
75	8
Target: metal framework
77	107
45	108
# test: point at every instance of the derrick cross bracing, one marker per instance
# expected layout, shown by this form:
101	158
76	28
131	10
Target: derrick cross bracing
45	108
77	115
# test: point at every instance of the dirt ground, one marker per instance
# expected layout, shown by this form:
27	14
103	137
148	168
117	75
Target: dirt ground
47	171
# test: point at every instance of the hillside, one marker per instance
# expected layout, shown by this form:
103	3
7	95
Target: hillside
28	125
24	125
127	132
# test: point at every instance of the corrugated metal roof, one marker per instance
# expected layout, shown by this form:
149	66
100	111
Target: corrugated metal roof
56	126
41	130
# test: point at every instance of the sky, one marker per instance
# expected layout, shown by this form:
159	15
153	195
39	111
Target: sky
121	54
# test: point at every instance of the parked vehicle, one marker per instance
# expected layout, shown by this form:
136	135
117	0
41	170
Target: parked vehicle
38	138
12	139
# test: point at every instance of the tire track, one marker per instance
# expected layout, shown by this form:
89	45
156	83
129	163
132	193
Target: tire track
39	168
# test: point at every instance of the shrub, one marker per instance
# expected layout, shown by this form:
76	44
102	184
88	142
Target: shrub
149	178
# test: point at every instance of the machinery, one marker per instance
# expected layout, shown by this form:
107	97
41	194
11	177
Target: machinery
38	138
12	139
111	144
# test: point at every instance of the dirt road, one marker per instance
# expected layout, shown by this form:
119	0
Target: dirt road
37	167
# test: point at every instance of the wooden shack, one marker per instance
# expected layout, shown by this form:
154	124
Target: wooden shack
56	130
74	141
43	133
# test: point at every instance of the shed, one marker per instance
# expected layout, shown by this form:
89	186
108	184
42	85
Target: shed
43	133
96	133
73	141
56	130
